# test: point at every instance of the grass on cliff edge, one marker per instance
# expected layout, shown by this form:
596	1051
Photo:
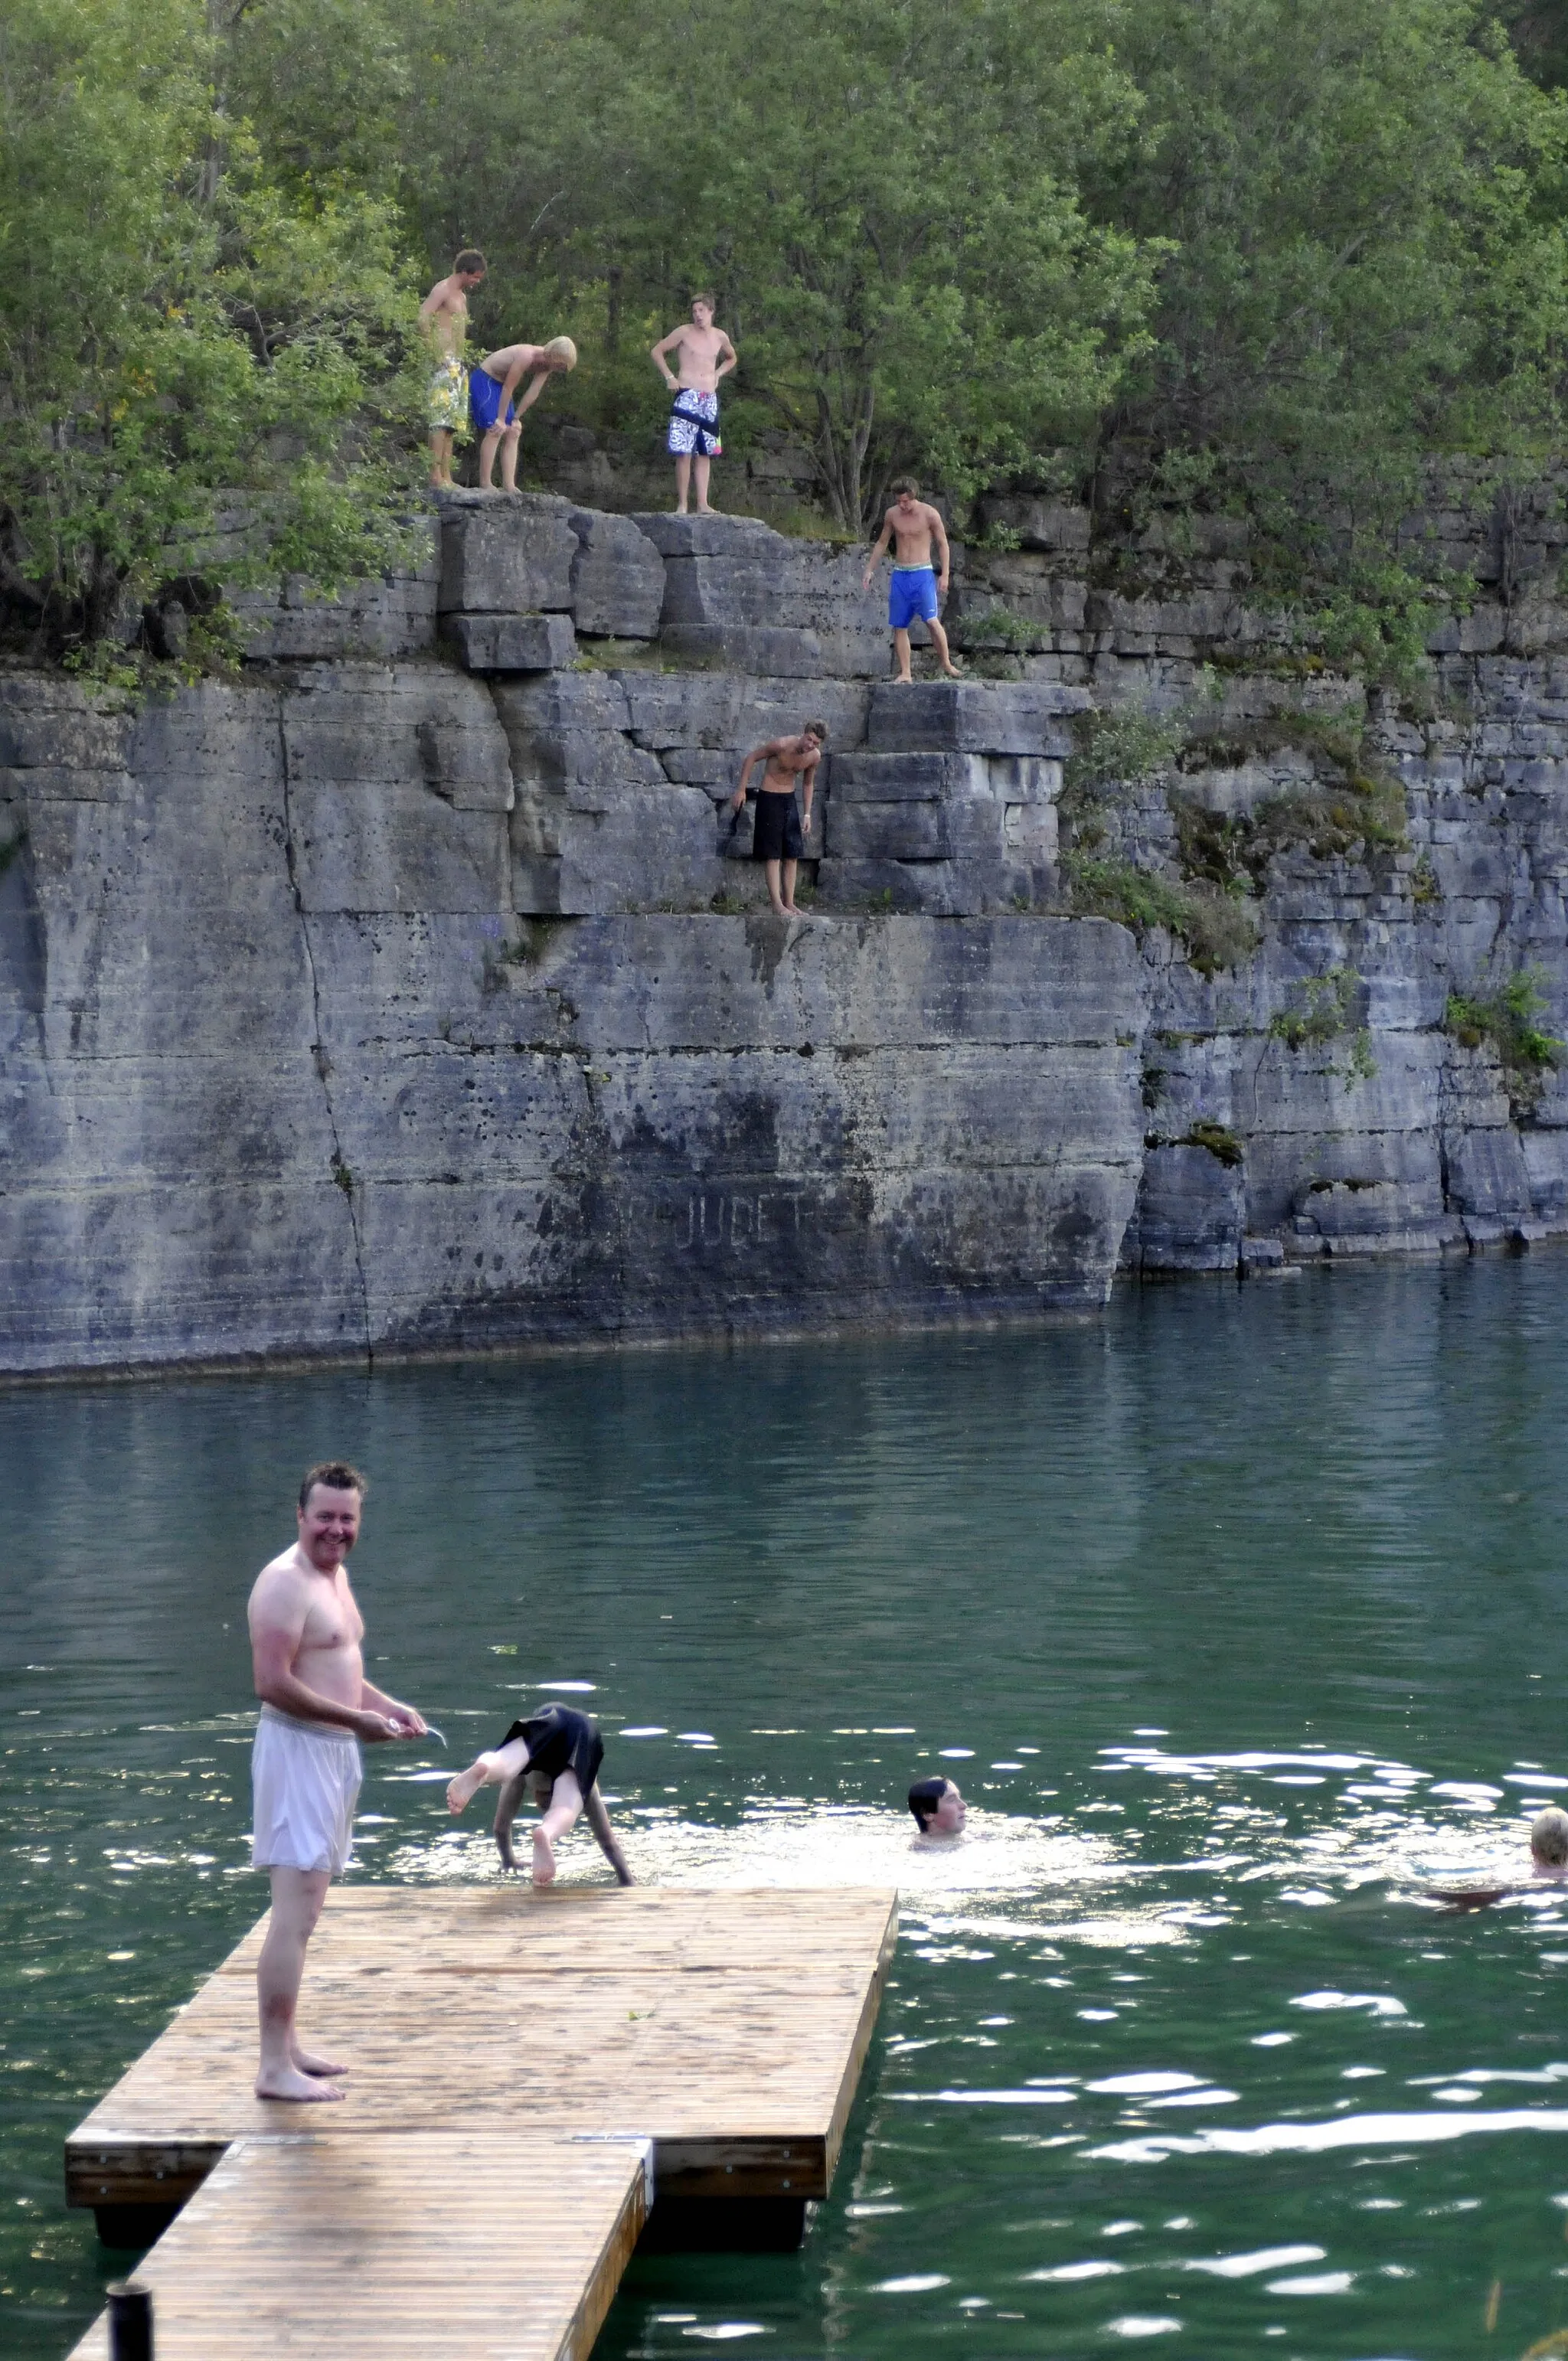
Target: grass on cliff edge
1217	929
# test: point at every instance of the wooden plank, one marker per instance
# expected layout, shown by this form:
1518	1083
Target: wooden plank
729	2027
439	2246
512	1927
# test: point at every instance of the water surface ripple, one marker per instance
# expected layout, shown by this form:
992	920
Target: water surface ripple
1236	1618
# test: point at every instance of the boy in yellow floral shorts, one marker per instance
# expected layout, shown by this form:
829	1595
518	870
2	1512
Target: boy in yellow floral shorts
443	316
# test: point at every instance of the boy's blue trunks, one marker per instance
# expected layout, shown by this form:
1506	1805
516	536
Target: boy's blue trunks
911	592
485	400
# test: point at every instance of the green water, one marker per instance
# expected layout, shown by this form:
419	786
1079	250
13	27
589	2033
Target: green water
1246	1604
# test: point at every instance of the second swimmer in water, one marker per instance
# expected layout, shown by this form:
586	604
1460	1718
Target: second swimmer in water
557	1752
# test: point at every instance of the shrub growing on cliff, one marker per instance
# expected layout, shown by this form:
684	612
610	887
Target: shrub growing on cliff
172	326
1506	1022
1328	1010
1216	929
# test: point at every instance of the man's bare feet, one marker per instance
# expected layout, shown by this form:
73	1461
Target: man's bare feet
952	672
461	1791
709	512
309	2063
903	680
543	1859
288	2082
503	1846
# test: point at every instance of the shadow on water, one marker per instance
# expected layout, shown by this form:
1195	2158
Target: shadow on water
1235	1616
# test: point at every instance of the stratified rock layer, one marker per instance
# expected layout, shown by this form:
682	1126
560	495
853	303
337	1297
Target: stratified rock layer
418	991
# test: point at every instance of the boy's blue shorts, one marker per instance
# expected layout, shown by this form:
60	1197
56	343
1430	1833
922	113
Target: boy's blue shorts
485	401
911	592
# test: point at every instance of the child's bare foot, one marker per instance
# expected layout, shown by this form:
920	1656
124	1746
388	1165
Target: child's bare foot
543	1859
461	1791
288	2082
952	672
503	1846
903	680
309	2063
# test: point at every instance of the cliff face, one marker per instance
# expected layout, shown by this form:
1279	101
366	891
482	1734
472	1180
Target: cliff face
413	993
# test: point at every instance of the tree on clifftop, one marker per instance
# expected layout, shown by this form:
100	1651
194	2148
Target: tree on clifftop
884	197
174	325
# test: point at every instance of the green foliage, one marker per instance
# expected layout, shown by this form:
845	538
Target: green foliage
1217	930
1357	807
173	325
1328	1012
1366	200
1217	1137
886	205
999	627
1201	259
1121	746
1505	1022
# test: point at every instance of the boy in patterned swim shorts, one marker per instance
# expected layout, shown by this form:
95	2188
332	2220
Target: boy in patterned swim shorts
443	316
706	354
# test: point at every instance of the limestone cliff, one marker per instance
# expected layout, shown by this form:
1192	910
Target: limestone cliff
411	993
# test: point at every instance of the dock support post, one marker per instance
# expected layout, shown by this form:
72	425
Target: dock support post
131	2322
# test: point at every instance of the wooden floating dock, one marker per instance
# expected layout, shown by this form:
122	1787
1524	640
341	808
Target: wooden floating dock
505	2044
430	2244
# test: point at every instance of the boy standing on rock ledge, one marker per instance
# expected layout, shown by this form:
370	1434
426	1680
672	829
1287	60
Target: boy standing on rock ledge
443	318
913	524
706	354
780	831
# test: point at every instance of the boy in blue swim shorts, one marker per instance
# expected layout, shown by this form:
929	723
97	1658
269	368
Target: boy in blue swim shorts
490	389
918	587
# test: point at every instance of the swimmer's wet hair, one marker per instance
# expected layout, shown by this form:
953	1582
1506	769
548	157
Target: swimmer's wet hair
702	296
1549	1836
470	260
336	1475
904	484
924	1798
818	730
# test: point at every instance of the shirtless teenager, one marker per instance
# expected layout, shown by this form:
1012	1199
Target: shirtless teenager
490	389
443	317
705	354
916	588
306	1636
780	832
557	1752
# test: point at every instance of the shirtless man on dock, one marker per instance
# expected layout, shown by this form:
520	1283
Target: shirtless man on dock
706	354
305	1642
913	525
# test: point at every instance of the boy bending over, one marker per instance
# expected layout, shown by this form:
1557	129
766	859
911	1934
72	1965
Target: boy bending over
557	1752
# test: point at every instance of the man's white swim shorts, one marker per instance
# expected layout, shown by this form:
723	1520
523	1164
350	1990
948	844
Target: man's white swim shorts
305	1781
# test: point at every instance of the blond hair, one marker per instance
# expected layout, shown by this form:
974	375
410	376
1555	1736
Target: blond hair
1549	1837
563	349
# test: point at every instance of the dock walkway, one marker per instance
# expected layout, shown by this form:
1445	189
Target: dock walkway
521	2060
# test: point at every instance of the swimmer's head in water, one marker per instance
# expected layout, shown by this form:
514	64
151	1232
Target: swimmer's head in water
937	1806
1549	1837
